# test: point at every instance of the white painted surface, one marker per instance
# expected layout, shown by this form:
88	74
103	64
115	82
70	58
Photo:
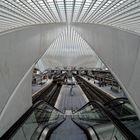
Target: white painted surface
119	50
59	98
69	49
19	102
19	50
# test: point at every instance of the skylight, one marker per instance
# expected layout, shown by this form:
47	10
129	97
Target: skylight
117	13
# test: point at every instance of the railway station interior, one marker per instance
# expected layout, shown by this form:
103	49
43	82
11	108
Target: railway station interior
69	69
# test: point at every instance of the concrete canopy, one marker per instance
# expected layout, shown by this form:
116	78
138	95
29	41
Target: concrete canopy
69	50
21	47
19	51
119	50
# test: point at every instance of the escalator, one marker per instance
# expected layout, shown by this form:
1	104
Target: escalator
37	124
121	107
44	122
124	111
101	124
115	120
68	130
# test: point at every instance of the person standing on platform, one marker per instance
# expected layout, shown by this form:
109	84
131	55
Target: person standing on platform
71	92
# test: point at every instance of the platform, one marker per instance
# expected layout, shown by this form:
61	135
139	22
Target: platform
36	88
107	89
66	101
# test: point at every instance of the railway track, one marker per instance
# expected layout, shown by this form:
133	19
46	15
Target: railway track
118	106
92	92
40	95
51	93
52	96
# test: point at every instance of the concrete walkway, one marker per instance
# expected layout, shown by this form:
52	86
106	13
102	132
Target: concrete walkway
67	102
68	130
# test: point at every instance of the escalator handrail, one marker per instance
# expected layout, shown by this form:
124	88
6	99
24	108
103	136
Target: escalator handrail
36	98
53	107
19	122
117	103
85	130
82	107
12	130
123	129
99	102
117	99
51	129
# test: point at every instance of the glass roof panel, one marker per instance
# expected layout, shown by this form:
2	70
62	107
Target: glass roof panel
108	12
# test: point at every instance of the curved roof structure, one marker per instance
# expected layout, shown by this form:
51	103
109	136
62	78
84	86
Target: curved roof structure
21	49
123	14
69	50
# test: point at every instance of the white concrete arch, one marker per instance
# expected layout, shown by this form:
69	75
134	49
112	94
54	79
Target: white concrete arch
19	50
68	50
119	50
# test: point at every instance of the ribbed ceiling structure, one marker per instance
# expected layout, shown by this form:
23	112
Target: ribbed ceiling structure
69	46
123	14
69	50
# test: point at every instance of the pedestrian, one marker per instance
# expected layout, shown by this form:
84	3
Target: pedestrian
71	92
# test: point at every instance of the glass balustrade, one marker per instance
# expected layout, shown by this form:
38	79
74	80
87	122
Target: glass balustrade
42	116
94	116
125	112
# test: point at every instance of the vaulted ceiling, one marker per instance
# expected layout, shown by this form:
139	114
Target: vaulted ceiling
123	14
69	50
